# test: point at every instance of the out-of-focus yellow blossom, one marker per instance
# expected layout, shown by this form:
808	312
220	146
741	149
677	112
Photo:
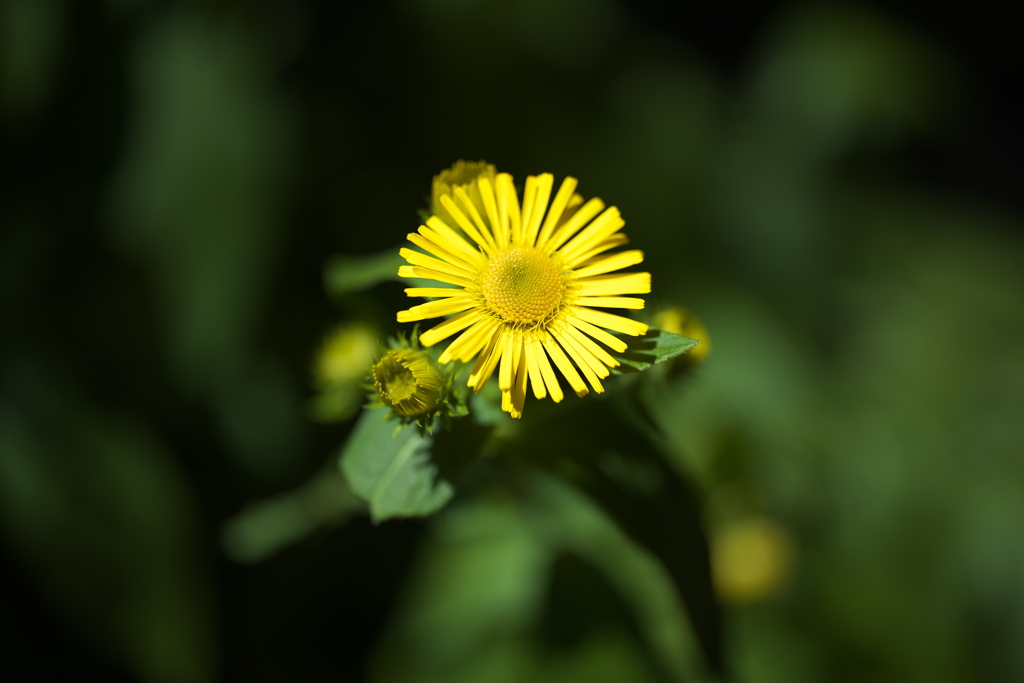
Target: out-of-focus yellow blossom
679	320
750	559
346	355
463	174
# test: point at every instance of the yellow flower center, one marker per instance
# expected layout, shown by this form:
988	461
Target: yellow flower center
522	285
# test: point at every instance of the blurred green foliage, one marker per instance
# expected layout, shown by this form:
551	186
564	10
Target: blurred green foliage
176	177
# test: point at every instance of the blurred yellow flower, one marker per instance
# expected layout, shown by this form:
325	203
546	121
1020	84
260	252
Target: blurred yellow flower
408	382
462	174
524	287
750	559
679	320
346	355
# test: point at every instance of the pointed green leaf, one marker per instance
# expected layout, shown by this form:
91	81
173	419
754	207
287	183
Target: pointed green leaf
392	470
657	346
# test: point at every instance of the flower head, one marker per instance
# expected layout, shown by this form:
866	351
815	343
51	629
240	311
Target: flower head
339	371
750	559
462	174
346	353
523	284
408	382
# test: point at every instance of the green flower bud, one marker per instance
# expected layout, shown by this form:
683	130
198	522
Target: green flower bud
408	382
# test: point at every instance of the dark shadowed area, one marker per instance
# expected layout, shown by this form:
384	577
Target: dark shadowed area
193	195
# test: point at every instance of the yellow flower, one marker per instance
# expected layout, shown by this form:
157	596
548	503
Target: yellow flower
345	355
524	288
408	382
682	321
750	559
463	174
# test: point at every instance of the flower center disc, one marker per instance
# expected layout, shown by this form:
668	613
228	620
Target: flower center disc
522	285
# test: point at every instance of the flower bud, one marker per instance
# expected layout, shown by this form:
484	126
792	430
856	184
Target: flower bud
408	382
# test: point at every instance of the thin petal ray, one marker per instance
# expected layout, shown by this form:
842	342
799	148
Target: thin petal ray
439	232
591	347
418	259
603	226
491	209
450	327
530	228
486	362
609	340
564	365
435	292
470	342
536	378
436	309
474	215
611	285
610	321
582	216
550	379
611	302
557	209
430	274
607	264
428	245
615	240
584	361
507	193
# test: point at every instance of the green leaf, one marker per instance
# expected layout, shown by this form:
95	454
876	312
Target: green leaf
346	274
657	346
264	528
336	403
616	463
101	519
392	470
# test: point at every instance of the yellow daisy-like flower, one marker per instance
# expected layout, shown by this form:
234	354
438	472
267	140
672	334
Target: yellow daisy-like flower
525	285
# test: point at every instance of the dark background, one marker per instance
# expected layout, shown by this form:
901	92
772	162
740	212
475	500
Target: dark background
175	175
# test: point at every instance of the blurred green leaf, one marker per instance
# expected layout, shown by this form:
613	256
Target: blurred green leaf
595	450
656	572
97	512
485	602
266	527
336	403
196	200
637	490
197	195
653	348
31	36
392	470
346	274
479	580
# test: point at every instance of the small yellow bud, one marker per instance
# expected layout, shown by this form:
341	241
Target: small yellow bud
462	174
750	559
408	382
346	354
